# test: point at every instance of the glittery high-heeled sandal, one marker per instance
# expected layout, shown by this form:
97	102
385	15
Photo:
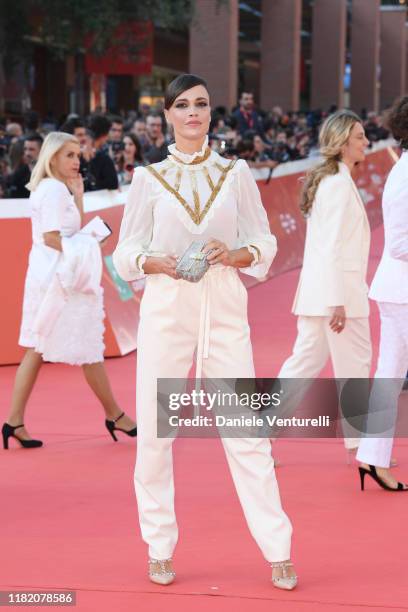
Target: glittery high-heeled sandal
161	571
285	581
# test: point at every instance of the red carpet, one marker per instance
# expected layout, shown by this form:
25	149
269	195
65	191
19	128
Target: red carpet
68	515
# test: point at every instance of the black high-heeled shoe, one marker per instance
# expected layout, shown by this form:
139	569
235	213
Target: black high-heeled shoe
111	427
373	473
9	432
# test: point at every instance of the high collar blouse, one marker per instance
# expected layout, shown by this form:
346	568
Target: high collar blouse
189	197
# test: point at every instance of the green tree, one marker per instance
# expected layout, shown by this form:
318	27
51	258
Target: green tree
62	25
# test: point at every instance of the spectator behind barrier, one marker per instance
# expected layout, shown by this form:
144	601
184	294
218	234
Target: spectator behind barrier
139	130
246	115
17	180
76	126
155	149
101	166
115	141
374	128
131	157
116	130
14	131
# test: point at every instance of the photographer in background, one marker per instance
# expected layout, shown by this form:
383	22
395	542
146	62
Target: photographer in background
254	150
223	136
280	150
101	166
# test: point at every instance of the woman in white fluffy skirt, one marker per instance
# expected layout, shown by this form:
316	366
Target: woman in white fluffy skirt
76	335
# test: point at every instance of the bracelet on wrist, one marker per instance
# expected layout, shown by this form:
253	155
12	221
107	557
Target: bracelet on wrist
140	262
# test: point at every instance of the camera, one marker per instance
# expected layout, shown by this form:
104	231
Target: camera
117	147
280	153
88	178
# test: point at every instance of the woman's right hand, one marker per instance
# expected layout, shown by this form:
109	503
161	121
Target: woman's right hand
76	186
338	319
161	265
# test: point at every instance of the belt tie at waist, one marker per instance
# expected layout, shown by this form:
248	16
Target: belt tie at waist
203	344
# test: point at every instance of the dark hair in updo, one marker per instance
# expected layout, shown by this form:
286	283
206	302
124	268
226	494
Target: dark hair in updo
397	120
179	85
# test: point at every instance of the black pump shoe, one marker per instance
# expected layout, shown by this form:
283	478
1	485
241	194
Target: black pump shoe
111	427
373	473
9	432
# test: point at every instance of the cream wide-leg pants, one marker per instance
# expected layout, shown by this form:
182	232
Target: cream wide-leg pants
392	364
350	352
173	314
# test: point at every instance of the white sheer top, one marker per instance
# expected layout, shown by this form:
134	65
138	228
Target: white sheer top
186	197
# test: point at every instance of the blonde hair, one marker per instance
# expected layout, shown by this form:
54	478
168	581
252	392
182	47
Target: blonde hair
333	135
51	145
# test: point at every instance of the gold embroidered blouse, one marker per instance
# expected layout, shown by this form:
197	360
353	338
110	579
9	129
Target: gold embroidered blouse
173	202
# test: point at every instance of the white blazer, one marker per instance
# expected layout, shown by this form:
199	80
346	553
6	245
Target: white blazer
336	251
390	283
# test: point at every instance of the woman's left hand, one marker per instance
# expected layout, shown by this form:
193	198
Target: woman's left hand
76	186
338	319
220	253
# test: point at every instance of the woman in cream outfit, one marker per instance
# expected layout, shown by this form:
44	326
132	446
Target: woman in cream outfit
390	290
331	299
76	338
193	194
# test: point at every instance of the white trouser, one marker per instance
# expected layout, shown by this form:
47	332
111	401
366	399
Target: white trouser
392	364
350	352
167	337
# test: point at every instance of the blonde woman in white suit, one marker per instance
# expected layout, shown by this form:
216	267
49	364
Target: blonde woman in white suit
331	299
390	290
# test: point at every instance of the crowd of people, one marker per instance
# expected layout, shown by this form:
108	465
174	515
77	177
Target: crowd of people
112	146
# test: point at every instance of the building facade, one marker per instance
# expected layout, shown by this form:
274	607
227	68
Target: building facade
297	54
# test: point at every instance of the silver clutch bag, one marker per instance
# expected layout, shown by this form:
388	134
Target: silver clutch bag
193	263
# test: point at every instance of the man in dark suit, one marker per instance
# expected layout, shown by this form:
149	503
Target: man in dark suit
155	148
101	166
16	182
